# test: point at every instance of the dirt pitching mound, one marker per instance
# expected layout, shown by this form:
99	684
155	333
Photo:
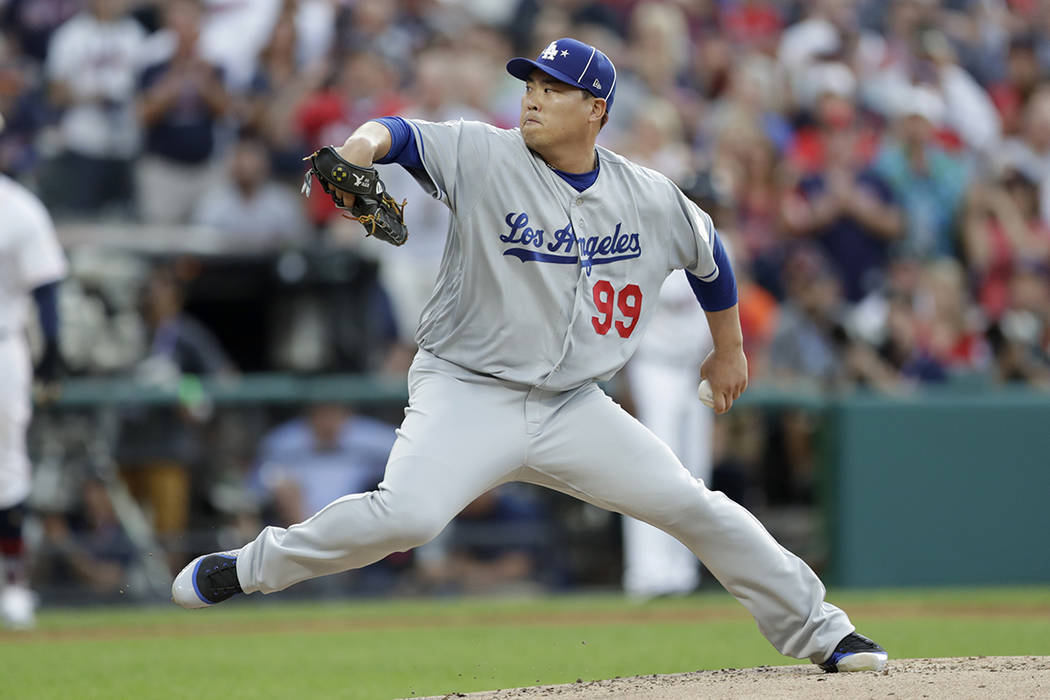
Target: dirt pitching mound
971	677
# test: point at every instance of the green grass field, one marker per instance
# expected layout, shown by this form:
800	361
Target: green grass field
259	649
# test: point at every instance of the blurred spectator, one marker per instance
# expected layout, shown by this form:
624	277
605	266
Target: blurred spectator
969	110
1012	94
283	77
32	22
928	182
831	30
889	62
817	343
233	34
754	22
981	33
751	97
657	64
1029	152
250	209
711	65
744	166
181	102
903	349
178	344
1002	230
23	111
308	462
92	66
955	329
656	141
758	321
88	546
805	346
496	543
1020	339
160	447
846	207
371	26
484	82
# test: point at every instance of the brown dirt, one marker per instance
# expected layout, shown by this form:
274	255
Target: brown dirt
970	677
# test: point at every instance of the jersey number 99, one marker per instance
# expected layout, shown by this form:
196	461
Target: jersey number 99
629	301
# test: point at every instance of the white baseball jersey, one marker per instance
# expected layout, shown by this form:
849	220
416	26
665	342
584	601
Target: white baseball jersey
29	252
560	291
29	257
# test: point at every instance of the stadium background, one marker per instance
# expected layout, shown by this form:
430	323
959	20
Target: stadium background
880	170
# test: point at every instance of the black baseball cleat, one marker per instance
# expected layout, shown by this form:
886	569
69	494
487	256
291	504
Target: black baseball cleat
207	580
856	653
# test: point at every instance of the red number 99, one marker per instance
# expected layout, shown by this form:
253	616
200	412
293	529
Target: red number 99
630	303
603	300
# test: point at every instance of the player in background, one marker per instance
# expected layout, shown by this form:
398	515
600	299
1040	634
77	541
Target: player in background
555	255
31	264
661	379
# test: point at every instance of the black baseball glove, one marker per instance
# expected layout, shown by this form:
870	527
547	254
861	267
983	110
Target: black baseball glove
377	211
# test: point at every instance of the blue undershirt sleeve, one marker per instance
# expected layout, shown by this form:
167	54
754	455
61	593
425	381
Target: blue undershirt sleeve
46	297
720	293
403	149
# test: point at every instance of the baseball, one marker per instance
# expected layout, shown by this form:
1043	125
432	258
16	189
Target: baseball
704	393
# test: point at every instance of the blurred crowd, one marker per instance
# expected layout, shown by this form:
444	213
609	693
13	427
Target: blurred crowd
879	169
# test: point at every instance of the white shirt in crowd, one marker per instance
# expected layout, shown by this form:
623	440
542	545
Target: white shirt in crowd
268	218
99	62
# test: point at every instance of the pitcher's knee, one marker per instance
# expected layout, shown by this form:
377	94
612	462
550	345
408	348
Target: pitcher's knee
688	507
412	527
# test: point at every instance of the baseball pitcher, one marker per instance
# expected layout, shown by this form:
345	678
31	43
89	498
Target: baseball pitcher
554	260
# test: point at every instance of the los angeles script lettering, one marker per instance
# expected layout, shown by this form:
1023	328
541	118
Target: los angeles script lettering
563	239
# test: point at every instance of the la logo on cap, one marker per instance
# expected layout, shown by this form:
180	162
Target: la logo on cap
551	52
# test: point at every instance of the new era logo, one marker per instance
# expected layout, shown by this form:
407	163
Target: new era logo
597	85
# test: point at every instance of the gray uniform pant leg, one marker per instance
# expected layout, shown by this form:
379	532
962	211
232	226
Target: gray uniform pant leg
592	449
461	436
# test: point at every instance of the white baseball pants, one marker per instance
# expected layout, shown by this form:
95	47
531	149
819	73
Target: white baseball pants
16	373
465	433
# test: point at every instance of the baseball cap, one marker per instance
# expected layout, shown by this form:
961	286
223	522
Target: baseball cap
573	62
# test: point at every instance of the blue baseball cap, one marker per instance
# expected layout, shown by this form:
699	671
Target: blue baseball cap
573	62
